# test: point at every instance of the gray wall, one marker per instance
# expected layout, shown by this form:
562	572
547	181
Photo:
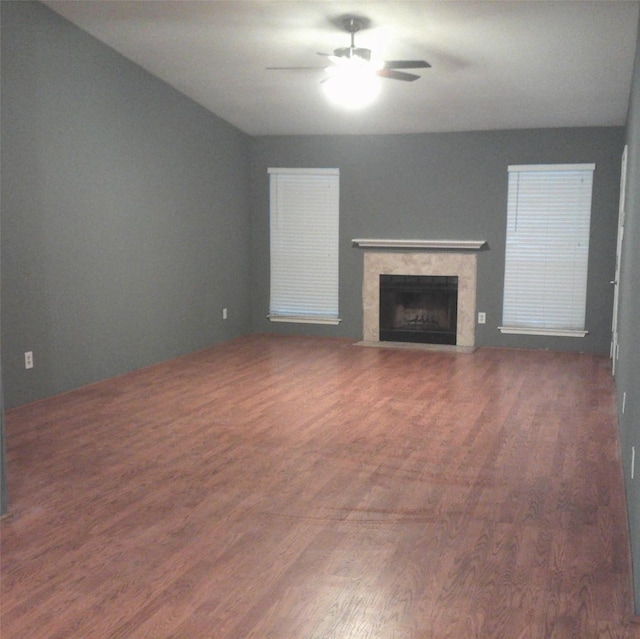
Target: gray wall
442	186
3	466
628	368
4	500
125	212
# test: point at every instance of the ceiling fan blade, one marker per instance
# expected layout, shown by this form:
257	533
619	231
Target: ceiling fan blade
294	68
406	64
391	74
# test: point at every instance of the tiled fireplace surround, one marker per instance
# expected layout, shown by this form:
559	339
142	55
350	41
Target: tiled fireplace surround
420	262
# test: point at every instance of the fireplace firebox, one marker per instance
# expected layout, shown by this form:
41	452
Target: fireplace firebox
418	308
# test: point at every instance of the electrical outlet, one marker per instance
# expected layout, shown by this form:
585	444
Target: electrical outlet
482	318
28	359
224	313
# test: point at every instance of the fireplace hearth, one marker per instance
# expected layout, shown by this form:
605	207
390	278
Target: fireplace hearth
418	308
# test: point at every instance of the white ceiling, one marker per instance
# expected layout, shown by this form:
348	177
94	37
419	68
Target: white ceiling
495	64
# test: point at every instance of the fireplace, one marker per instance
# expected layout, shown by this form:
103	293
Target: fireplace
461	263
418	308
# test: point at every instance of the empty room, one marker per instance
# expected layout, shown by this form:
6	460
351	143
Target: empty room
319	319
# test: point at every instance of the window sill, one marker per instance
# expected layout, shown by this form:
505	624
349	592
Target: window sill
301	319
545	332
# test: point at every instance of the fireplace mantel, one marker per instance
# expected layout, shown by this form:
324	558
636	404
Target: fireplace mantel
467	245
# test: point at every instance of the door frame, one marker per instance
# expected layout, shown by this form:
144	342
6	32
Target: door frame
615	346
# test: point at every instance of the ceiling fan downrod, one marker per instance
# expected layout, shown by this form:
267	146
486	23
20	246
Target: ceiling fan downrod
352	26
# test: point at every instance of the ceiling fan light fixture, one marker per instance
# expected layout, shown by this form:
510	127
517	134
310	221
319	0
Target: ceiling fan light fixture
352	83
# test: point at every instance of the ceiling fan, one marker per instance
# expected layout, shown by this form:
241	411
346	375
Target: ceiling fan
383	68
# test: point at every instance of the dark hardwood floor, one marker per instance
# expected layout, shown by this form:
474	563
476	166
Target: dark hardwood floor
299	488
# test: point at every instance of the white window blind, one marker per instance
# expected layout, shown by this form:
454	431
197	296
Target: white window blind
304	245
547	249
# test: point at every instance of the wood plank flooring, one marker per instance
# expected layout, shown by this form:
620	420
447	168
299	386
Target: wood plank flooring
301	488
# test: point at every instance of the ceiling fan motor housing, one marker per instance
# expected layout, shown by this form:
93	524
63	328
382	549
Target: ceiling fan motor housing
350	52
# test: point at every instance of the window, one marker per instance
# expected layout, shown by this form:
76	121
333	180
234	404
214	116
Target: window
547	249
304	207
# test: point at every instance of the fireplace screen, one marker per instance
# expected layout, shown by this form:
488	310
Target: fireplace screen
418	308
